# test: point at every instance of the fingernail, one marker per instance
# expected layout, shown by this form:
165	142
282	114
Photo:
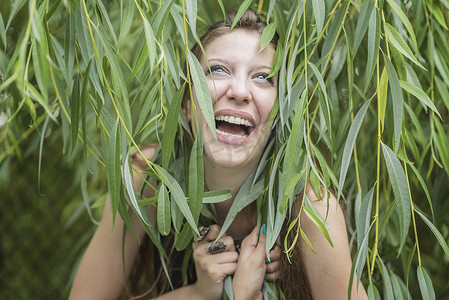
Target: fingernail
267	260
264	229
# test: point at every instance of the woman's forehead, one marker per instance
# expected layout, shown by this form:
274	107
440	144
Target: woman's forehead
239	45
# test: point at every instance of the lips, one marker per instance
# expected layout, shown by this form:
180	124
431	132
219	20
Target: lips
233	127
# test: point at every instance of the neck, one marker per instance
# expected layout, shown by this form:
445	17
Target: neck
222	177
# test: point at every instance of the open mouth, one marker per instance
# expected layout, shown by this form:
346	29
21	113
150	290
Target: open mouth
233	127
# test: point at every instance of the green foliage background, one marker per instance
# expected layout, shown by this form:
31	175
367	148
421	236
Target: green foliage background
74	72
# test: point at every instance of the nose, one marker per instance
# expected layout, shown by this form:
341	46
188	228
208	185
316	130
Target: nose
239	89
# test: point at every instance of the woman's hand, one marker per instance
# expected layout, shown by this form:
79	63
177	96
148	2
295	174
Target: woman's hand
253	267
213	262
273	270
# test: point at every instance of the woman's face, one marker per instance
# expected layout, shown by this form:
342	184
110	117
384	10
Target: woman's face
242	96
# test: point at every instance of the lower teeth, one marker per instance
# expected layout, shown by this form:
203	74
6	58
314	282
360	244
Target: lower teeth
231	135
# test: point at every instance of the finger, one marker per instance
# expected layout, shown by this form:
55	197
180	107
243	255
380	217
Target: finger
219	272
213	232
250	239
262	239
273	276
203	230
224	244
229	268
273	266
275	254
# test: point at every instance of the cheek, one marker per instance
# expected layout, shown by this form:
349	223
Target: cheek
267	106
216	89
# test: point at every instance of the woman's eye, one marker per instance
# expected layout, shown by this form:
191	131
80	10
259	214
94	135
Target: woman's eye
217	69
264	76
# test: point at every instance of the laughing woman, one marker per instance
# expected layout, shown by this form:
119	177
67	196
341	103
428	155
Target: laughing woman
243	96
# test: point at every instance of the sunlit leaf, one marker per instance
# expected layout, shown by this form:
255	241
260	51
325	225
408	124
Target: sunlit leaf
382	97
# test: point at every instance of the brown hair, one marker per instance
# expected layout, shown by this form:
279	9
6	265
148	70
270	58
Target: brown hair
146	277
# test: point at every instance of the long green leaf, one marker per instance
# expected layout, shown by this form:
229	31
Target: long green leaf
163	211
177	194
216	196
383	96
192	11
146	109
396	40
315	217
202	92
404	20
126	23
401	192
289	189
246	195
196	178
437	234
267	35
113	172
420	95
160	18
242	9
170	127
2	31
387	282
362	23
396	94
75	111
349	145
425	284
373	47
129	188
423	185
319	11
373	293
182	240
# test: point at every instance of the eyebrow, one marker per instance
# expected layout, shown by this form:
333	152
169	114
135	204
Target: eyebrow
212	59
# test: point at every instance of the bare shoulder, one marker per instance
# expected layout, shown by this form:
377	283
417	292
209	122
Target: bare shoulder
329	268
139	158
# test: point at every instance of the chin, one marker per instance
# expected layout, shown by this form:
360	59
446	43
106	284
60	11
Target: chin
225	155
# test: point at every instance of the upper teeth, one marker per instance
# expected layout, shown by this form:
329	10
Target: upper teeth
234	120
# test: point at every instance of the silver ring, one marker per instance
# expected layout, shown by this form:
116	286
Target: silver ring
216	247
